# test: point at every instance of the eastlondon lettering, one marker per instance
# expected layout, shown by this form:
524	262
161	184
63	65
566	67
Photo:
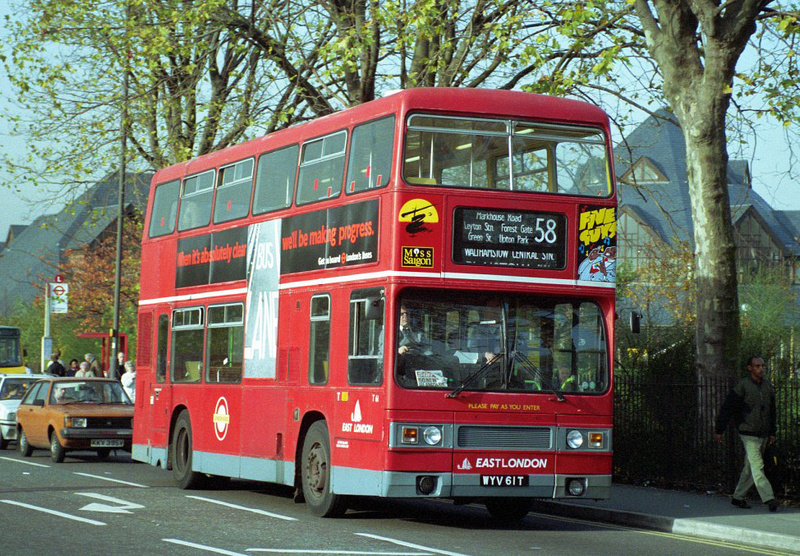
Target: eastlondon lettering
510	463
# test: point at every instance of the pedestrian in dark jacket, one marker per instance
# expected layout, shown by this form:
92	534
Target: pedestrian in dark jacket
55	368
751	405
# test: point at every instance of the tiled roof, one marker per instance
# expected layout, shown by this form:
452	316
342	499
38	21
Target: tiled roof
36	252
666	206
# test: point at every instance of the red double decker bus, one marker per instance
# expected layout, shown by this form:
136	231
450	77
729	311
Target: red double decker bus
409	298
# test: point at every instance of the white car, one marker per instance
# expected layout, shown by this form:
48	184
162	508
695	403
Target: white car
12	388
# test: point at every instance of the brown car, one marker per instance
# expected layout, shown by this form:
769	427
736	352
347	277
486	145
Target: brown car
63	414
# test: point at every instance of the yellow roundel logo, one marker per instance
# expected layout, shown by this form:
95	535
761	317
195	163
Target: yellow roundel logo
222	418
418	210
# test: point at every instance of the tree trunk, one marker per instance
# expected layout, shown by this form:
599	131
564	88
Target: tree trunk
717	332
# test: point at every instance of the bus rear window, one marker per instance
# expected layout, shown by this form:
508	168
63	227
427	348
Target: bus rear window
506	155
165	208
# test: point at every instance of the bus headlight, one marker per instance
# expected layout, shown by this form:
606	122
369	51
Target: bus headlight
574	439
432	435
76	422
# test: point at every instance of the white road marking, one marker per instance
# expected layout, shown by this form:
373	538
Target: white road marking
202	547
23	461
348	552
122	508
410	545
53	512
246	509
111	480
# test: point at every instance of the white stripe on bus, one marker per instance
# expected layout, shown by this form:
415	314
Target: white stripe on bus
388	274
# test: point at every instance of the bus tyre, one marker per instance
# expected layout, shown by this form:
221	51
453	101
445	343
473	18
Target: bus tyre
57	451
25	449
181	454
508	510
316	474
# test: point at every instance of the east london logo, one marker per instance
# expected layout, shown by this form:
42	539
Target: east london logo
357	425
222	418
417	257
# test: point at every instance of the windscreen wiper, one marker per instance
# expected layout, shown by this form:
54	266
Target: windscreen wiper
472	377
532	370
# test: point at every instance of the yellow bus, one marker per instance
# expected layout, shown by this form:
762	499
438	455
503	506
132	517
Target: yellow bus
11	352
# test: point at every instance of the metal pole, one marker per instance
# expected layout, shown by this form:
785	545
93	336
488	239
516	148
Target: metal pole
47	341
120	216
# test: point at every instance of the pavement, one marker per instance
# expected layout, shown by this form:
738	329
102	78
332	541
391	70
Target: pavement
710	516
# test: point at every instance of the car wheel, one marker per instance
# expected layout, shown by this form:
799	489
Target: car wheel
3	443
57	451
316	474
181	454
22	444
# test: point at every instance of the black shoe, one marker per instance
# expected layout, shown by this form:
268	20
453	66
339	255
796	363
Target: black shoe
773	505
743	504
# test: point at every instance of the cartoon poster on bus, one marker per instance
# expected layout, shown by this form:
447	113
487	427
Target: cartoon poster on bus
597	244
261	304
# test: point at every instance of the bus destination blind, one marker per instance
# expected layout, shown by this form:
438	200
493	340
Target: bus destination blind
509	238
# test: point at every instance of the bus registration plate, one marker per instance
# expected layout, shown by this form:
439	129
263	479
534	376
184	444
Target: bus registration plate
108	443
504	480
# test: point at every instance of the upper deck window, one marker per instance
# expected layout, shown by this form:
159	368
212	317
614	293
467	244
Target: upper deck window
165	208
233	191
370	155
196	201
506	155
322	168
275	177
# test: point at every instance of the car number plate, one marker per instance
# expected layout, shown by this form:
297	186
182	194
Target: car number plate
504	480
108	443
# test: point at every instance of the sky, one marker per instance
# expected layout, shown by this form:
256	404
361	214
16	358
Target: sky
768	153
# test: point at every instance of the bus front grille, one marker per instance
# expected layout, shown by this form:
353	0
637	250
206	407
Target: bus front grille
505	438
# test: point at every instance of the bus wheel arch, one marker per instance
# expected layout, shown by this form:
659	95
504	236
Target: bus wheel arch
315	472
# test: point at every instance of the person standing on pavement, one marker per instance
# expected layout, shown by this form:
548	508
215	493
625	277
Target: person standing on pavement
94	364
119	369
751	404
55	367
73	368
129	380
85	371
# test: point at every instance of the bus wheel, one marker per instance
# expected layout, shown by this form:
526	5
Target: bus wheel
316	474
57	451
181	454
22	444
508	510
